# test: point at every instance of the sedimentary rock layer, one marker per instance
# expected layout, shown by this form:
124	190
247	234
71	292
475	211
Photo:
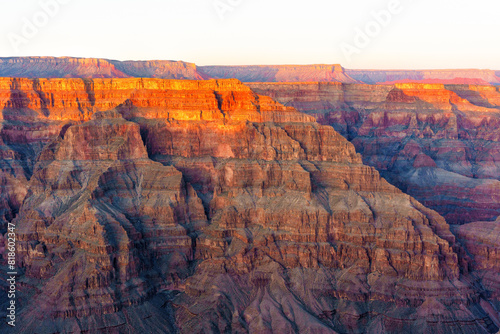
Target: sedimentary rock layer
471	76
68	67
438	143
280	73
200	206
482	241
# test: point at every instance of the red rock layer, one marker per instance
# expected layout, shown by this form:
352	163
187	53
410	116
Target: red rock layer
183	206
439	143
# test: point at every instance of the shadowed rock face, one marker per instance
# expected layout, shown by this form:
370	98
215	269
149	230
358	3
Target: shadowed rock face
438	143
482	241
199	206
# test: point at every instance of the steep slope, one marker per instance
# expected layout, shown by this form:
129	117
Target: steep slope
439	143
68	67
482	240
200	206
163	69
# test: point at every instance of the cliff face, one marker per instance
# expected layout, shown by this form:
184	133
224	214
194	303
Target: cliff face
482	240
438	143
200	206
280	73
472	76
67	67
336	73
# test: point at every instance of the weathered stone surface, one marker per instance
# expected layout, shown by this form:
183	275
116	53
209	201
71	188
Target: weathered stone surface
102	226
200	206
482	241
438	143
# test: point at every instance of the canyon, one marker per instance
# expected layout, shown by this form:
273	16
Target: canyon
192	206
438	143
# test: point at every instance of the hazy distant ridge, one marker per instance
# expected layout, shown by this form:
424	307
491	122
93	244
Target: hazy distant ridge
70	67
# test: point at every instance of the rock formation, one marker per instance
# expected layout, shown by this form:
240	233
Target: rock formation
280	73
69	67
199	206
471	76
438	143
482	241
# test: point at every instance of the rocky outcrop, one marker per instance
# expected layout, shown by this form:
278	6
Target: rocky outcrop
201	206
438	143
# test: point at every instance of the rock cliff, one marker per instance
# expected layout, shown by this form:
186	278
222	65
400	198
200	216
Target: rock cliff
200	206
438	143
456	76
280	73
69	67
482	241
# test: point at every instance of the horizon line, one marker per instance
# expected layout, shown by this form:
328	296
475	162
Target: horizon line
260	65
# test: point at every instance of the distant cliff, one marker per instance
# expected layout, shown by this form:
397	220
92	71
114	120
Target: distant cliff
451	76
68	67
280	73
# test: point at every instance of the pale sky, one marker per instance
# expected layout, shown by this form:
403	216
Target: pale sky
405	34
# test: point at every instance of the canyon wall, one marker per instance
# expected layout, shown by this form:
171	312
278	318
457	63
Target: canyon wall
457	76
200	206
482	241
336	73
438	143
280	73
69	67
